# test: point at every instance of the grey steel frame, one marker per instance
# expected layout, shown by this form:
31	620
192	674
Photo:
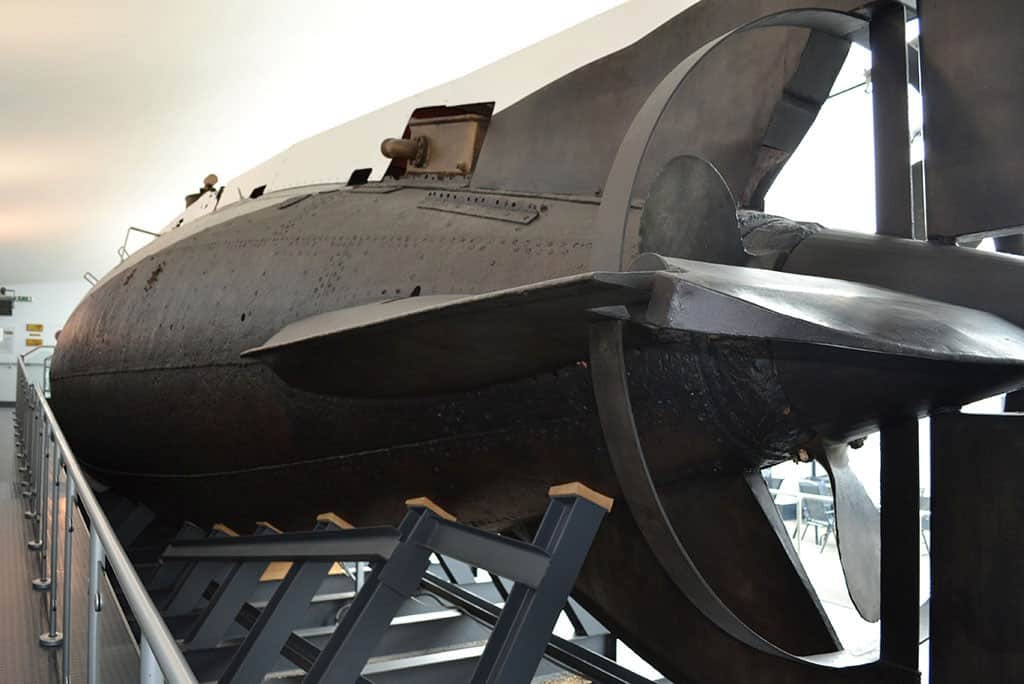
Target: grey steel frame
45	457
543	573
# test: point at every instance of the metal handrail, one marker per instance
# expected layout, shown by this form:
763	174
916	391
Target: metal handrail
158	650
46	365
122	251
33	350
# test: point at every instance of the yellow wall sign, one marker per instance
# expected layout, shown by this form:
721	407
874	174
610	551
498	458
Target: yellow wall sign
33	342
34	327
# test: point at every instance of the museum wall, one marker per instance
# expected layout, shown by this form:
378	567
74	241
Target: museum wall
51	304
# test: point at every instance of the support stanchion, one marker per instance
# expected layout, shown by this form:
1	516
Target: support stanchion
149	668
25	467
900	519
42	459
96	561
53	638
69	528
28	469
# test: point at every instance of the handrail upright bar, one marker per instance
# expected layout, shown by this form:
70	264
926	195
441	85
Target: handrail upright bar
149	667
92	663
69	528
42	458
158	638
28	442
47	364
53	638
28	453
23	434
39	456
18	424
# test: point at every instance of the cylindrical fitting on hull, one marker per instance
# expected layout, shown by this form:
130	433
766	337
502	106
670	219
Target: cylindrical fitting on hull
414	150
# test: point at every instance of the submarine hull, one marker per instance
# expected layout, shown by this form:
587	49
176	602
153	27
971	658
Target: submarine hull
151	392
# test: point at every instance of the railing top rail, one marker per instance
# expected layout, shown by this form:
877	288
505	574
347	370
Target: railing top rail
32	351
800	495
172	662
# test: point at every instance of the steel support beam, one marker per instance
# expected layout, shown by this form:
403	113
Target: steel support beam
347	651
524	628
900	545
972	65
220	612
265	640
899	469
369	543
510	558
569	655
167	575
893	192
977	606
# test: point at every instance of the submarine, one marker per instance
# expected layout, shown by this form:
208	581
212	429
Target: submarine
523	289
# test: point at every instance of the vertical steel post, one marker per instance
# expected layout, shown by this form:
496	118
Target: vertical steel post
17	412
263	644
26	425
149	668
521	633
53	638
41	446
799	520
31	428
95	606
41	458
900	523
31	476
376	604
893	190
25	438
69	528
899	469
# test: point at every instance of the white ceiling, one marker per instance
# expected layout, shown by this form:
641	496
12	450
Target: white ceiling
111	112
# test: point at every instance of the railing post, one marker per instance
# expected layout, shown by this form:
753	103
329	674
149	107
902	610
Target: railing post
149	668
69	528
95	606
28	467
25	441
53	638
799	519
41	459
899	476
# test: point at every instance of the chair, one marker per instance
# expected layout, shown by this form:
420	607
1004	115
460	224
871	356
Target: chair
926	521
816	513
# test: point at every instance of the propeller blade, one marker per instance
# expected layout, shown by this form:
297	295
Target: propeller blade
858	532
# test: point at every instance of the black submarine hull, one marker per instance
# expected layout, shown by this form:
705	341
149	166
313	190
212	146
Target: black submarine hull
157	403
153	395
155	399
